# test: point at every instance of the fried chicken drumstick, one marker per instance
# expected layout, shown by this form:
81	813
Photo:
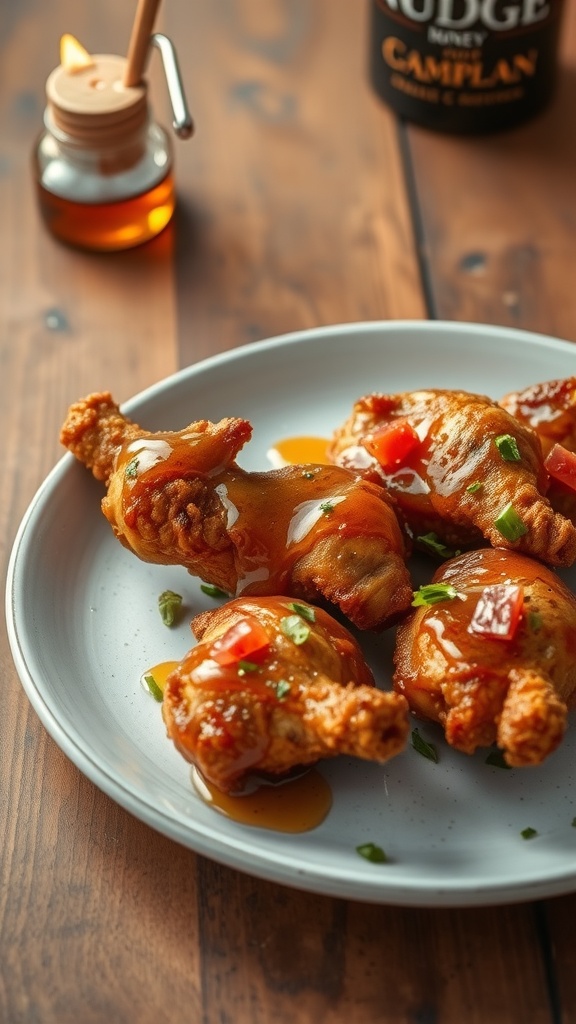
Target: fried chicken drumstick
179	498
460	467
494	659
273	685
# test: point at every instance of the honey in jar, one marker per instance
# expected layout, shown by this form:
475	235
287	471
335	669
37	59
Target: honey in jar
103	165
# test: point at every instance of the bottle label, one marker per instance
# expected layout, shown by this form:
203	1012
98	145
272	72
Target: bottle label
464	57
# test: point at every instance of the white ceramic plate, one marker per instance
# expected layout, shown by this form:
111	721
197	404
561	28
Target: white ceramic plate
83	625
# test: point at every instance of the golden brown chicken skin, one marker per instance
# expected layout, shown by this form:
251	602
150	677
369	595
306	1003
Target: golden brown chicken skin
179	498
459	481
549	409
301	692
481	687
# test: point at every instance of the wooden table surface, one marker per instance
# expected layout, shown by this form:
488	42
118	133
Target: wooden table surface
302	202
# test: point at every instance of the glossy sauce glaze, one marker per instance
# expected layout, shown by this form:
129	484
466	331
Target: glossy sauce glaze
292	805
272	518
549	409
265	701
437	645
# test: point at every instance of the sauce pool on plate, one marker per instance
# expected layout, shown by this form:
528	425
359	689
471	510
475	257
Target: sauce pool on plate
293	451
295	805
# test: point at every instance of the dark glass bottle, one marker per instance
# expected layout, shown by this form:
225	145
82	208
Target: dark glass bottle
466	66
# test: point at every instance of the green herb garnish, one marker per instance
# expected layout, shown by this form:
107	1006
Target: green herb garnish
509	523
307	474
496	759
282	689
476	486
304	610
327	507
432	543
423	747
508	447
295	629
246	666
212	591
535	621
131	469
528	833
433	593
372	852
169	605
153	688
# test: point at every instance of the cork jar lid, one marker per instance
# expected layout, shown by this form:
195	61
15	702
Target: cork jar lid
92	105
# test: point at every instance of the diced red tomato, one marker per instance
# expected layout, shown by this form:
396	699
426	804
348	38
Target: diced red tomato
498	611
392	443
241	642
561	464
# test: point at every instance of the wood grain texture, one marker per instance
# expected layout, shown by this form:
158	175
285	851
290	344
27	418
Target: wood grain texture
294	211
497	216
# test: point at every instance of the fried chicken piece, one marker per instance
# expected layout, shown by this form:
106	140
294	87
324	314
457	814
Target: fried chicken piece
179	498
275	685
452	479
549	409
485	688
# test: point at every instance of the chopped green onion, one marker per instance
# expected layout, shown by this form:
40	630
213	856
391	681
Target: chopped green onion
304	610
508	448
246	666
307	474
433	593
327	507
131	469
535	621
509	523
169	605
431	542
295	629
153	688
282	689
423	747
528	833
372	852
476	486
496	759
212	591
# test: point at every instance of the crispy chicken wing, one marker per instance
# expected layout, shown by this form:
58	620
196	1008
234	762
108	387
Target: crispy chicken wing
549	409
179	498
273	685
461	468
455	666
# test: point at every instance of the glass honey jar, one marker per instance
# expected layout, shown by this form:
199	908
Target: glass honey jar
103	165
